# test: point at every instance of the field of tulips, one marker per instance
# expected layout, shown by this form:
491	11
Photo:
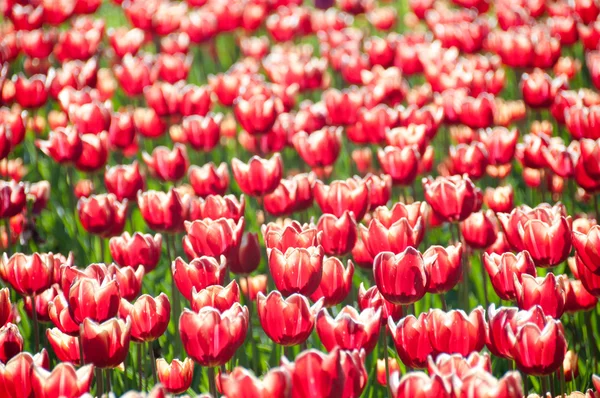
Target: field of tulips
288	199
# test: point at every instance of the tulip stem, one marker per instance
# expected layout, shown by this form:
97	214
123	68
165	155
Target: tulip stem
140	365
81	358
211	381
99	387
8	238
153	360
596	208
107	374
561	377
545	386
386	359
484	280
36	334
174	292
443	299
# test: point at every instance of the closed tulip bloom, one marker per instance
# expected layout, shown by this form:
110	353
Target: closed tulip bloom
177	376
293	235
590	281
149	316
228	206
70	273
216	296
446	269
11	342
83	189
538	351
460	196
211	337
129	280
298	270
282	201
395	238
480	383
315	374
32	92
402	278
256	114
124	181
63	381
166	164
578	297
411	338
105	345
212	238
336	282
259	176
548	292
419	385
393	366
319	149
246	256
415	213
503	268
28	275
339	234
137	250
447	366
380	188
15	375
340	196
241	383
40	304
586	246
456	332
202	132
65	347
5	306
199	273
162	211
58	312
479	229
102	214
252	285
500	199
349	330
89	298
371	298
209	179
13	198
94	153
402	164
287	321
470	159
355	375
150	126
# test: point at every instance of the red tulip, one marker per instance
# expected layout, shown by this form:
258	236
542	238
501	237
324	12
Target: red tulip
124	181
500	144
202	132
395	238
83	189
578	298
212	238
63	145
256	114
15	375
148	124
252	285
89	298
393	366
402	278
295	317
350	329
319	149
200	273
11	342
149	316
5	306
282	201
31	92
411	338
292	235
590	281
65	347
479	229
483	384
455	365
380	188
503	268
163	97
162	211
460	196
136	250
539	89
194	100
340	196
298	270
363	159
105	345
63	381
168	165
419	385
259	176
208	179
371	298
445	270
548	292
12	198
339	234
133	74
402	164
5	142
246	257
28	275
211	337
316	375
241	383
90	118
500	199
102	214
218	297
177	376
41	303
586	245
455	332
94	153
39	194
415	213
336	282
58	312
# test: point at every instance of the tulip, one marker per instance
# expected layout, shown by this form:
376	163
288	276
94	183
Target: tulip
58	312
548	292
195	100
336	282
149	125
64	346
395	238
68	274
149	316
202	132
252	285
63	381
246	257
340	196
586	248
256	114
218	297
479	229
411	338
259	176
362	159
298	270
15	375
28	275
163	97
39	194
227	330
162	211
339	234
455	332
212	238
401	164
241	383
12	198
92	299
167	165
40	304
177	376
90	118
83	189
571	366
500	199
11	342
503	268
31	92
402	278
102	214
315	374
483	384
590	281
460	196
228	206
94	153
380	189
319	149
578	297
539	89
105	345
361	330
293	235
124	181
445	270
208	179
5	306
447	366
419	385
282	201
295	312
137	250
371	298
392	365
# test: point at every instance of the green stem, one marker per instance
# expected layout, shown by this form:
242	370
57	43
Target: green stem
386	359
443	299
153	361
36	333
99	386
81	357
545	385
140	364
211	381
107	374
561	376
484	280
